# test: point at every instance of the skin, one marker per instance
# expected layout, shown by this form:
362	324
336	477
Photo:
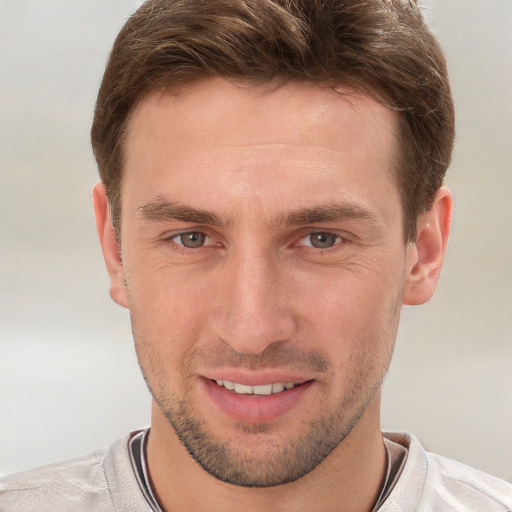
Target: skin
296	270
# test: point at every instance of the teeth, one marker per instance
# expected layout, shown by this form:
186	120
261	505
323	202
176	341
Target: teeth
265	389
277	387
241	388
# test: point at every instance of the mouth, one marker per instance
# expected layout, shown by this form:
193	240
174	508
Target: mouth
258	402
260	390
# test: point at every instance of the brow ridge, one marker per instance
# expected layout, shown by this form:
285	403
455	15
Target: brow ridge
319	214
162	210
166	210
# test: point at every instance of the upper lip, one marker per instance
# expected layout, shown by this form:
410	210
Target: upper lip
256	377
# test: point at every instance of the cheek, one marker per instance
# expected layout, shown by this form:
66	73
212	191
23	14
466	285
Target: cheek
165	332
354	315
165	293
167	315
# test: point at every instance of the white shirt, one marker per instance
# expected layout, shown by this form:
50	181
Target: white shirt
106	481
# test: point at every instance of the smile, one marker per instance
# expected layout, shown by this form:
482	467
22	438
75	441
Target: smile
265	389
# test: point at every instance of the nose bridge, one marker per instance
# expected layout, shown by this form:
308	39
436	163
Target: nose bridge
254	311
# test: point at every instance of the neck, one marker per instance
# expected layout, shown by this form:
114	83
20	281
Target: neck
350	475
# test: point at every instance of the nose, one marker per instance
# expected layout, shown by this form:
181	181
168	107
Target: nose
254	307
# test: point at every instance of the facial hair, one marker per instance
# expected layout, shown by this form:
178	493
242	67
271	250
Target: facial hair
281	462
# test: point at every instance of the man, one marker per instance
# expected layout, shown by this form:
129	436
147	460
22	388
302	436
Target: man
271	194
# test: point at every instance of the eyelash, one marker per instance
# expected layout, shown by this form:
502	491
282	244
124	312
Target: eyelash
182	248
340	240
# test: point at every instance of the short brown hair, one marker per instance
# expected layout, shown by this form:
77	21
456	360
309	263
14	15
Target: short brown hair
380	47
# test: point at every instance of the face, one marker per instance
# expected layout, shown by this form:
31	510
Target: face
263	264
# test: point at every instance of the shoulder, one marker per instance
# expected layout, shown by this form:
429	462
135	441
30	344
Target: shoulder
464	487
432	483
103	481
78	483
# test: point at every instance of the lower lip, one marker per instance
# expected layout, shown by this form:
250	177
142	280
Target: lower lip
255	408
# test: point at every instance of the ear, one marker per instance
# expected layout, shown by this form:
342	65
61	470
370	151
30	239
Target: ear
425	255
109	245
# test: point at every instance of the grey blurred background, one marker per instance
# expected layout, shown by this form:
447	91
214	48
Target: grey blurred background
69	381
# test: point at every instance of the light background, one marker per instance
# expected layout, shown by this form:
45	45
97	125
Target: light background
69	381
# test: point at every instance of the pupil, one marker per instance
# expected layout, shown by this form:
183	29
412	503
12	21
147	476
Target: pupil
323	240
193	240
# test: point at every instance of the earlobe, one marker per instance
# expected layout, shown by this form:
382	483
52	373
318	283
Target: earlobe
109	245
425	256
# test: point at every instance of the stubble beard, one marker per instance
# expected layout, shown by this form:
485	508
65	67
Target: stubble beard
280	465
281	462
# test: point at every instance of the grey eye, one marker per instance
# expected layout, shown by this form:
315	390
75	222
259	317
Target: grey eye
322	240
191	240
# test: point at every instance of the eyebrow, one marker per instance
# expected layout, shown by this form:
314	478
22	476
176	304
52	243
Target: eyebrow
319	214
165	210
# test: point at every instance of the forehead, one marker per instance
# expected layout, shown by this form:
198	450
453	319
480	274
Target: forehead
304	110
250	144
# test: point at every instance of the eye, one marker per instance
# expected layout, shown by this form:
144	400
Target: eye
321	240
191	239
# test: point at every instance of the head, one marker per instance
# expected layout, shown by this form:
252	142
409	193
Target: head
381	48
273	174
